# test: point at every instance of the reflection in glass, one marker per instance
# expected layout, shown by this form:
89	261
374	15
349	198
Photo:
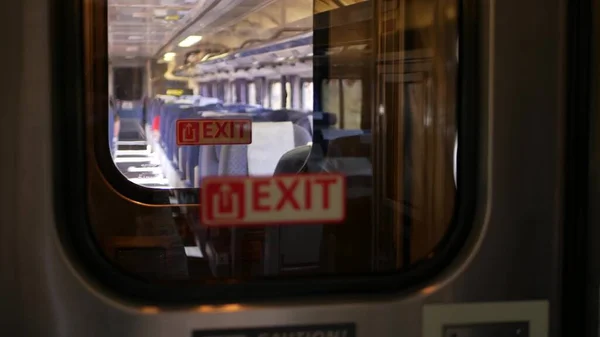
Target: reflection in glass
386	98
307	96
352	90
331	98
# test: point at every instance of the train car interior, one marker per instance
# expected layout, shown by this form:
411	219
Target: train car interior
301	72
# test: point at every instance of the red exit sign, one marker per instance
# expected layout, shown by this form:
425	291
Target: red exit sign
213	131
277	200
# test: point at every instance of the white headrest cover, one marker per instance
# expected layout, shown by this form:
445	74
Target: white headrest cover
270	141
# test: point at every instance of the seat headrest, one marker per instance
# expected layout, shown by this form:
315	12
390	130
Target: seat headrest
270	141
351	146
294	160
259	118
324	119
296	117
287	115
350	155
331	134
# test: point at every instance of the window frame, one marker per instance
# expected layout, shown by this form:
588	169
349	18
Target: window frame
289	94
73	93
339	123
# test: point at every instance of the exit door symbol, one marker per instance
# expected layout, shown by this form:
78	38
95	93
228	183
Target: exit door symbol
188	132
225	201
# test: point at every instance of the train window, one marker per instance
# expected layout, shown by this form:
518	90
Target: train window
307	95
352	103
384	82
214	89
252	93
275	95
234	93
227	91
331	98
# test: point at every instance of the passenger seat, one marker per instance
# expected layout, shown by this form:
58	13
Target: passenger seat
208	163
234	158
228	250
351	156
294	249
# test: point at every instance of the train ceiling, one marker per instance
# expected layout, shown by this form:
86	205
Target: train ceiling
151	28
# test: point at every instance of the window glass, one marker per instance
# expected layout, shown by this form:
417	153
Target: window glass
352	91
251	93
331	98
234	93
386	123
228	87
307	95
275	95
222	92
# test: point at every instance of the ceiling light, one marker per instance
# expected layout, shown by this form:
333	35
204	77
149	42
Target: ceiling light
169	56
135	37
139	15
131	48
160	12
190	41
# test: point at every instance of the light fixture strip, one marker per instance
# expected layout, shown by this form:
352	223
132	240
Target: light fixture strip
190	41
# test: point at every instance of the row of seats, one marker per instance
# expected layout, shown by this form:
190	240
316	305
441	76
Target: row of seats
281	143
190	163
294	249
299	248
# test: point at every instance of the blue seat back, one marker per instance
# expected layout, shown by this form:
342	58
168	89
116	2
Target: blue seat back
168	113
172	148
210	155
191	155
234	158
